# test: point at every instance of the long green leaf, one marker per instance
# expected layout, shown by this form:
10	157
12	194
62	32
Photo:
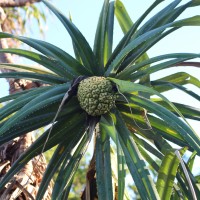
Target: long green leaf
127	25
129	87
20	102
40	119
187	110
25	68
180	78
45	78
55	54
129	122
40	59
107	126
107	171
145	38
68	169
87	56
158	132
44	100
121	163
126	72
103	166
104	34
166	175
134	161
62	152
157	129
15	95
191	160
100	169
191	21
64	130
172	120
53	166
158	67
180	87
158	18
152	163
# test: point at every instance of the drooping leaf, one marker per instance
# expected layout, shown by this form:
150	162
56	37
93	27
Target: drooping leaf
187	110
103	166
129	87
69	167
172	120
63	129
167	174
144	184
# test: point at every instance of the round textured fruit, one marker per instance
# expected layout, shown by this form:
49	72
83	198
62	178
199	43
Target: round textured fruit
96	95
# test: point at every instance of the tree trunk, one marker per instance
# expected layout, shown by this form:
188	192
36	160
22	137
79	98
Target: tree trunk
25	184
16	3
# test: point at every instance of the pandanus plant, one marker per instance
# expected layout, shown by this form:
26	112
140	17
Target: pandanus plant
108	95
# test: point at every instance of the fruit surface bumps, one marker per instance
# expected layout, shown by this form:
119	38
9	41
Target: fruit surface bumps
96	95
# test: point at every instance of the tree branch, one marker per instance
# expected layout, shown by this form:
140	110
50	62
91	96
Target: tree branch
16	3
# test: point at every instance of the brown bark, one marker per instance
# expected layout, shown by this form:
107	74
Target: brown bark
25	184
16	3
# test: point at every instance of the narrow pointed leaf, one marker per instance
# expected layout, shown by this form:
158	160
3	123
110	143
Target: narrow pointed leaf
20	102
39	102
178	125
159	67
68	169
56	55
191	21
134	161
181	78
104	34
14	96
64	129
62	152
167	174
180	87
127	86
191	160
107	171
39	119
103	167
121	163
187	110
45	78
143	39
127	25
40	59
126	72
25	68
153	21
85	51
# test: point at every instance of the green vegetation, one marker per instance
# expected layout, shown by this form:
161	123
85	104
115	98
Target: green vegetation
134	123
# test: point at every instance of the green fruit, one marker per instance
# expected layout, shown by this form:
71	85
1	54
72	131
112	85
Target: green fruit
96	95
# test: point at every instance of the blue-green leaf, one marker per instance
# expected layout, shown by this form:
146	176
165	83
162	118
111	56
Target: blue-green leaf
172	120
136	165
64	130
85	51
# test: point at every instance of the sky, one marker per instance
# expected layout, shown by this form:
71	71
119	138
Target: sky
85	16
